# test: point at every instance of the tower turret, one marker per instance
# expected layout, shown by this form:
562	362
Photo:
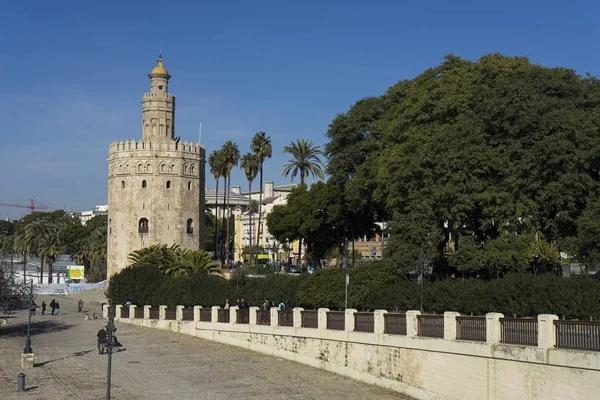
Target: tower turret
158	106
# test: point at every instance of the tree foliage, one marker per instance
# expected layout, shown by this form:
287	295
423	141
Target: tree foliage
500	155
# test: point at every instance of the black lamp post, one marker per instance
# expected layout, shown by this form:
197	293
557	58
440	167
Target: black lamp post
110	329
27	348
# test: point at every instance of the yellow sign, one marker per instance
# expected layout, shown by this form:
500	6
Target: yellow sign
262	256
75	272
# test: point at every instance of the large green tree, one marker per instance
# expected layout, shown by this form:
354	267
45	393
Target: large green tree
218	169
482	152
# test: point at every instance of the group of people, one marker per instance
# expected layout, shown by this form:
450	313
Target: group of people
242	304
54	306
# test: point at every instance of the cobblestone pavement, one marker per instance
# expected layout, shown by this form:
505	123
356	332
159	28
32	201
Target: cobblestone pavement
153	364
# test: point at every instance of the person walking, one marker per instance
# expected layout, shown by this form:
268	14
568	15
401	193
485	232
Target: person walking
226	307
43	308
57	307
102	336
53	306
80	306
32	309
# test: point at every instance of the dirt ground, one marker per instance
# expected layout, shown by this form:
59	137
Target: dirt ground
152	364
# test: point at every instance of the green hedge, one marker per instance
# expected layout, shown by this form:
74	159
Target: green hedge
372	286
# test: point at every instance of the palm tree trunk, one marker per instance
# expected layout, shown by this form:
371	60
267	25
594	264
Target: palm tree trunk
24	266
42	269
228	218
250	212
223	218
300	240
217	223
50	262
259	205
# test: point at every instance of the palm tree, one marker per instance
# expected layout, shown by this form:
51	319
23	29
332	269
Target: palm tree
217	169
261	146
250	165
175	261
306	159
51	248
231	155
36	233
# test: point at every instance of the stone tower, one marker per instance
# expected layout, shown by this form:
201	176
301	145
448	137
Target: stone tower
155	185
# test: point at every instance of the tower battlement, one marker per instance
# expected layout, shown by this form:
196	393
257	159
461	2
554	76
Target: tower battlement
166	145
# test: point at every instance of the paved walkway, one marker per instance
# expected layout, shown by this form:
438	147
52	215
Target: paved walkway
154	364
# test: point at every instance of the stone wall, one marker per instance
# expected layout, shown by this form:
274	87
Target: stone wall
423	368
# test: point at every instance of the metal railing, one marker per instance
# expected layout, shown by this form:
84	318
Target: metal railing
578	335
394	324
310	319
170	313
336	320
431	326
364	322
263	317
522	331
285	317
139	312
188	314
471	328
154	313
243	316
124	312
223	316
206	315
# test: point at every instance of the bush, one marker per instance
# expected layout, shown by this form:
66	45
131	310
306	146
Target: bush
372	286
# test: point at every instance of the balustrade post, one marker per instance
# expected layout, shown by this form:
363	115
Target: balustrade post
349	319
179	313
118	312
132	311
297	316
147	312
493	330
252	318
322	318
275	316
197	311
412	323
546	331
214	316
105	309
450	325
379	321
162	312
233	314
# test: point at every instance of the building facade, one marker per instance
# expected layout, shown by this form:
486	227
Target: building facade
156	184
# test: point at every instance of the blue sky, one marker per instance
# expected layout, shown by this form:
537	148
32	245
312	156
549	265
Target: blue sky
73	72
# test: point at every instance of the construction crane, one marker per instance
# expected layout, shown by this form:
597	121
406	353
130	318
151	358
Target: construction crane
32	205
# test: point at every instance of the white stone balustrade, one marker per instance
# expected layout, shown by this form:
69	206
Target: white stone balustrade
179	313
297	316
379	321
118	311
450	325
162	312
349	319
197	311
132	309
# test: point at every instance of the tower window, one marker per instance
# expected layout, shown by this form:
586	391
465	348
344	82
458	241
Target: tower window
190	185
190	226
193	169
144	184
122	184
143	225
160	87
168	184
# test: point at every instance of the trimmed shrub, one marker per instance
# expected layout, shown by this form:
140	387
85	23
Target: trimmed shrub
372	286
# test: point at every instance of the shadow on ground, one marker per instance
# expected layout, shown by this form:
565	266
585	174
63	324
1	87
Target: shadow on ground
37	327
76	354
